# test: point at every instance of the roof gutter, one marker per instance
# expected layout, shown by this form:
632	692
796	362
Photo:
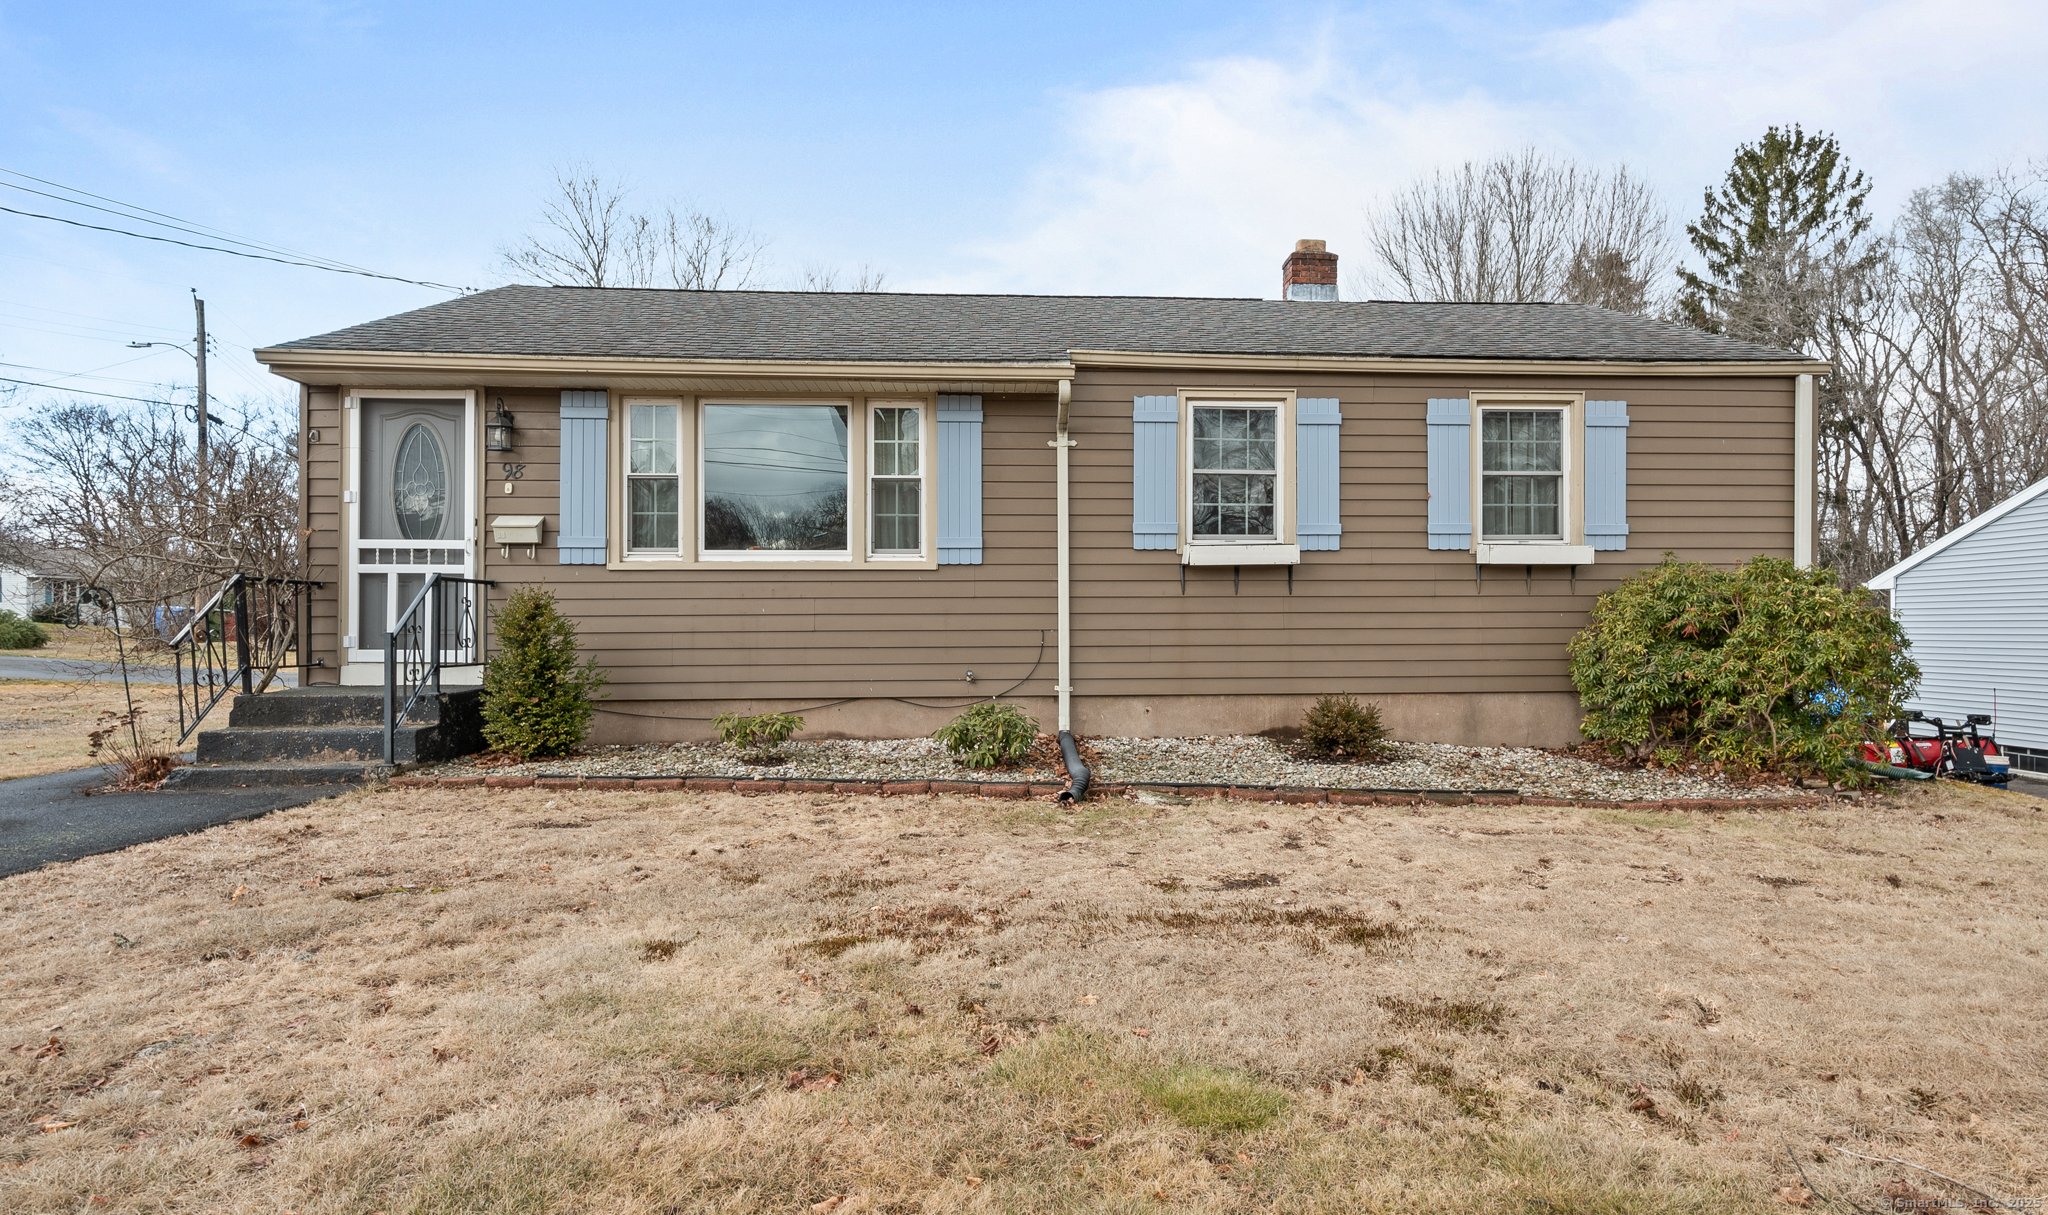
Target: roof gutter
1192	360
385	368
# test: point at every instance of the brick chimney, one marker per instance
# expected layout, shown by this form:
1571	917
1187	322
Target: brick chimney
1309	273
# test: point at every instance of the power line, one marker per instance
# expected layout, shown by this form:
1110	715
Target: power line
128	211
261	257
115	396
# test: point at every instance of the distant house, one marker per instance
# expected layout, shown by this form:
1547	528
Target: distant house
23	590
1975	604
859	506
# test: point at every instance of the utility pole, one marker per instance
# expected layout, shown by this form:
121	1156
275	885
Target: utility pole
199	311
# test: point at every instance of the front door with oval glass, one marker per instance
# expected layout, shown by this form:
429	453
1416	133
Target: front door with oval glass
412	516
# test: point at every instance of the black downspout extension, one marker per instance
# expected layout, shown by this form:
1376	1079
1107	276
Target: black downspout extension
1077	772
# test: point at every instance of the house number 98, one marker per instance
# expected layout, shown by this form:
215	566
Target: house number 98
515	472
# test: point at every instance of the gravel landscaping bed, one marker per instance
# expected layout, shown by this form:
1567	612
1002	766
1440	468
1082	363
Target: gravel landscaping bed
1230	760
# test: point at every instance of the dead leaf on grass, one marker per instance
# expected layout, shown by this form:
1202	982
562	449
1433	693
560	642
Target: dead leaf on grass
51	1049
237	895
801	1080
1795	1196
1084	1142
1142	1033
828	1205
52	1126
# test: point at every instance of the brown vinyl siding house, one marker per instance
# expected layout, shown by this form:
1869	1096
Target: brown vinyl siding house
909	439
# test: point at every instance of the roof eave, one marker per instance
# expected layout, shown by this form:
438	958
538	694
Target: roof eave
1197	360
390	369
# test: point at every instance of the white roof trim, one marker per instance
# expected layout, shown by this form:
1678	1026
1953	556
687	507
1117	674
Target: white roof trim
1887	580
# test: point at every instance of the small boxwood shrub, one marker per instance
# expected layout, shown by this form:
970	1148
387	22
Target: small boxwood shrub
1765	667
536	695
756	735
1338	727
19	634
989	735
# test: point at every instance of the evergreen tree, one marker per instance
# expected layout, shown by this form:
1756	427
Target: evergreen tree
1776	238
536	695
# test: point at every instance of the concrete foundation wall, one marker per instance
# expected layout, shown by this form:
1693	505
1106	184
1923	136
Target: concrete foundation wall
1523	719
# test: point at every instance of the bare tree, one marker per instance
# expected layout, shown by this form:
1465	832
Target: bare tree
588	236
821	276
584	233
1938	406
1522	228
117	499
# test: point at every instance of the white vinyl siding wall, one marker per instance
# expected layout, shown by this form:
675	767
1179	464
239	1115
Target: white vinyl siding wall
1977	614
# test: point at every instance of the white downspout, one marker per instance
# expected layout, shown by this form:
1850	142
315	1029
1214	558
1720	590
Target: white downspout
1805	519
1061	445
1077	771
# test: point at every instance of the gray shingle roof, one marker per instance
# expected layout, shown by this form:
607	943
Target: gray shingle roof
811	326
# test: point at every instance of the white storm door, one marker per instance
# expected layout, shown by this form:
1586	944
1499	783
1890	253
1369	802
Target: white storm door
412	515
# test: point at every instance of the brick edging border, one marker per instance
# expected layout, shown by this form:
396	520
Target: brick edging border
1019	790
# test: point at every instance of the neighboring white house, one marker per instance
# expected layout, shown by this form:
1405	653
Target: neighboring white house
23	590
1975	605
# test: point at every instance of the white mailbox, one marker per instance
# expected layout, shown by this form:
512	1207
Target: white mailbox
509	530
517	529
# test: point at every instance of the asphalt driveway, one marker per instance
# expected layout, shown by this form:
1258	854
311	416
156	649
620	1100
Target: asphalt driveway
47	818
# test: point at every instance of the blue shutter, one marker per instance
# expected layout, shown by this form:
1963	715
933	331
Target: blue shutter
1318	521
1155	459
1607	475
580	540
1450	474
959	474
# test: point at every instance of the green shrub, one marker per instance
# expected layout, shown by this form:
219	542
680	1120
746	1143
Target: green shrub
19	634
756	735
989	735
536	696
1766	667
55	613
1338	727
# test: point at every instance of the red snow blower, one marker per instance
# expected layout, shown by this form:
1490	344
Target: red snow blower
1956	752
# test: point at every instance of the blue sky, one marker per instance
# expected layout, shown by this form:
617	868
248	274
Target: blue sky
1143	148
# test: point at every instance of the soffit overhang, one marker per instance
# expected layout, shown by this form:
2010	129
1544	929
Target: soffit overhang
391	369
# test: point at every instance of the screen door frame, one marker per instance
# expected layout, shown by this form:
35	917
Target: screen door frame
464	500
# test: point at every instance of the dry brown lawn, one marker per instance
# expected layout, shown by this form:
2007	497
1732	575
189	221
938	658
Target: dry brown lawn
43	724
91	643
452	1001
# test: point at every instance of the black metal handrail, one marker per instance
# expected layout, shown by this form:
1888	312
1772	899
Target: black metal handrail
445	625
248	626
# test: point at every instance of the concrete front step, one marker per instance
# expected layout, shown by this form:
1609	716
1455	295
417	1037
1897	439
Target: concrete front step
333	725
238	776
317	744
335	706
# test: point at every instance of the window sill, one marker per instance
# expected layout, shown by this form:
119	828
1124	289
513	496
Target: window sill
1241	554
1540	552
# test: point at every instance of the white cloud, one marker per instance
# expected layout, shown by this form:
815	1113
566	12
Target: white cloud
1914	88
1200	186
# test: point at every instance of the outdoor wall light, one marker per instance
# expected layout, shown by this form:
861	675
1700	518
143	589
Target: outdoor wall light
498	431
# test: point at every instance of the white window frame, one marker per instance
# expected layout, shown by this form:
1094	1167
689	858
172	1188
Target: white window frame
926	435
1569	547
1280	548
681	476
689	553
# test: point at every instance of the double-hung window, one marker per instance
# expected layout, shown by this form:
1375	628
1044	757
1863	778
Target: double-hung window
653	479
1234	472
1522	474
895	482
